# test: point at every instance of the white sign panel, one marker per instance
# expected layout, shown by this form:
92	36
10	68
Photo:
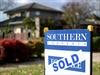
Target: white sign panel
67	52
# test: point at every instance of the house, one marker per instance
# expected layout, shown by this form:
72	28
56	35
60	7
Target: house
95	22
37	12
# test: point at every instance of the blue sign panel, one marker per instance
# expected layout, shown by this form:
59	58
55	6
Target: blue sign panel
67	52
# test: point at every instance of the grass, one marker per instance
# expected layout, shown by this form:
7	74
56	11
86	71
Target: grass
96	68
30	70
39	70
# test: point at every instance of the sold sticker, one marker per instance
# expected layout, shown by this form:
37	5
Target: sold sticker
71	63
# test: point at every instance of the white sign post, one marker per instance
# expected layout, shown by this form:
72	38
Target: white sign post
67	52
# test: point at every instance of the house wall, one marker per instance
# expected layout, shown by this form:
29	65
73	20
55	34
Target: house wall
44	14
20	14
4	32
15	14
27	14
19	32
33	13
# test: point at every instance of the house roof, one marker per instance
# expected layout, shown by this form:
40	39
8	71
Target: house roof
3	23
6	22
32	6
96	22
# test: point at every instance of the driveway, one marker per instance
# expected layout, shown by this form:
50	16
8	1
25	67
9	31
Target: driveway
96	57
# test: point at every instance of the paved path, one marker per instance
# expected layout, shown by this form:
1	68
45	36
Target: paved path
96	57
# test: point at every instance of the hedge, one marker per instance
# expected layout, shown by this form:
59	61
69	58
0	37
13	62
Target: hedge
37	46
96	44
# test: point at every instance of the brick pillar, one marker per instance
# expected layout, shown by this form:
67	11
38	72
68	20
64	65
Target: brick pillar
37	24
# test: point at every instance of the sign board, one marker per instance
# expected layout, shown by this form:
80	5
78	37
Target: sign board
67	52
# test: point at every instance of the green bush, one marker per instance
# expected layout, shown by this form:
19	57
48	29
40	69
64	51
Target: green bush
96	44
37	46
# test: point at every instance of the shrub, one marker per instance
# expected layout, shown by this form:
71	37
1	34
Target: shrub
2	53
96	44
15	50
37	46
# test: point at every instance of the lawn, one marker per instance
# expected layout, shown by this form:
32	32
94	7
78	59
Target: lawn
39	70
30	70
96	68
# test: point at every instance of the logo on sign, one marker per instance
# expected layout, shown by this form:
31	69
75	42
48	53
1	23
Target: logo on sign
71	63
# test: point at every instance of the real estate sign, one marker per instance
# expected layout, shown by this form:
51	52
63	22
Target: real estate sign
67	52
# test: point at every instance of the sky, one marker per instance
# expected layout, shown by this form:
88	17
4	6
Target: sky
51	3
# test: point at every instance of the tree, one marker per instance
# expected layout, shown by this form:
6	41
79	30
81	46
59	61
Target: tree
29	24
6	4
75	12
